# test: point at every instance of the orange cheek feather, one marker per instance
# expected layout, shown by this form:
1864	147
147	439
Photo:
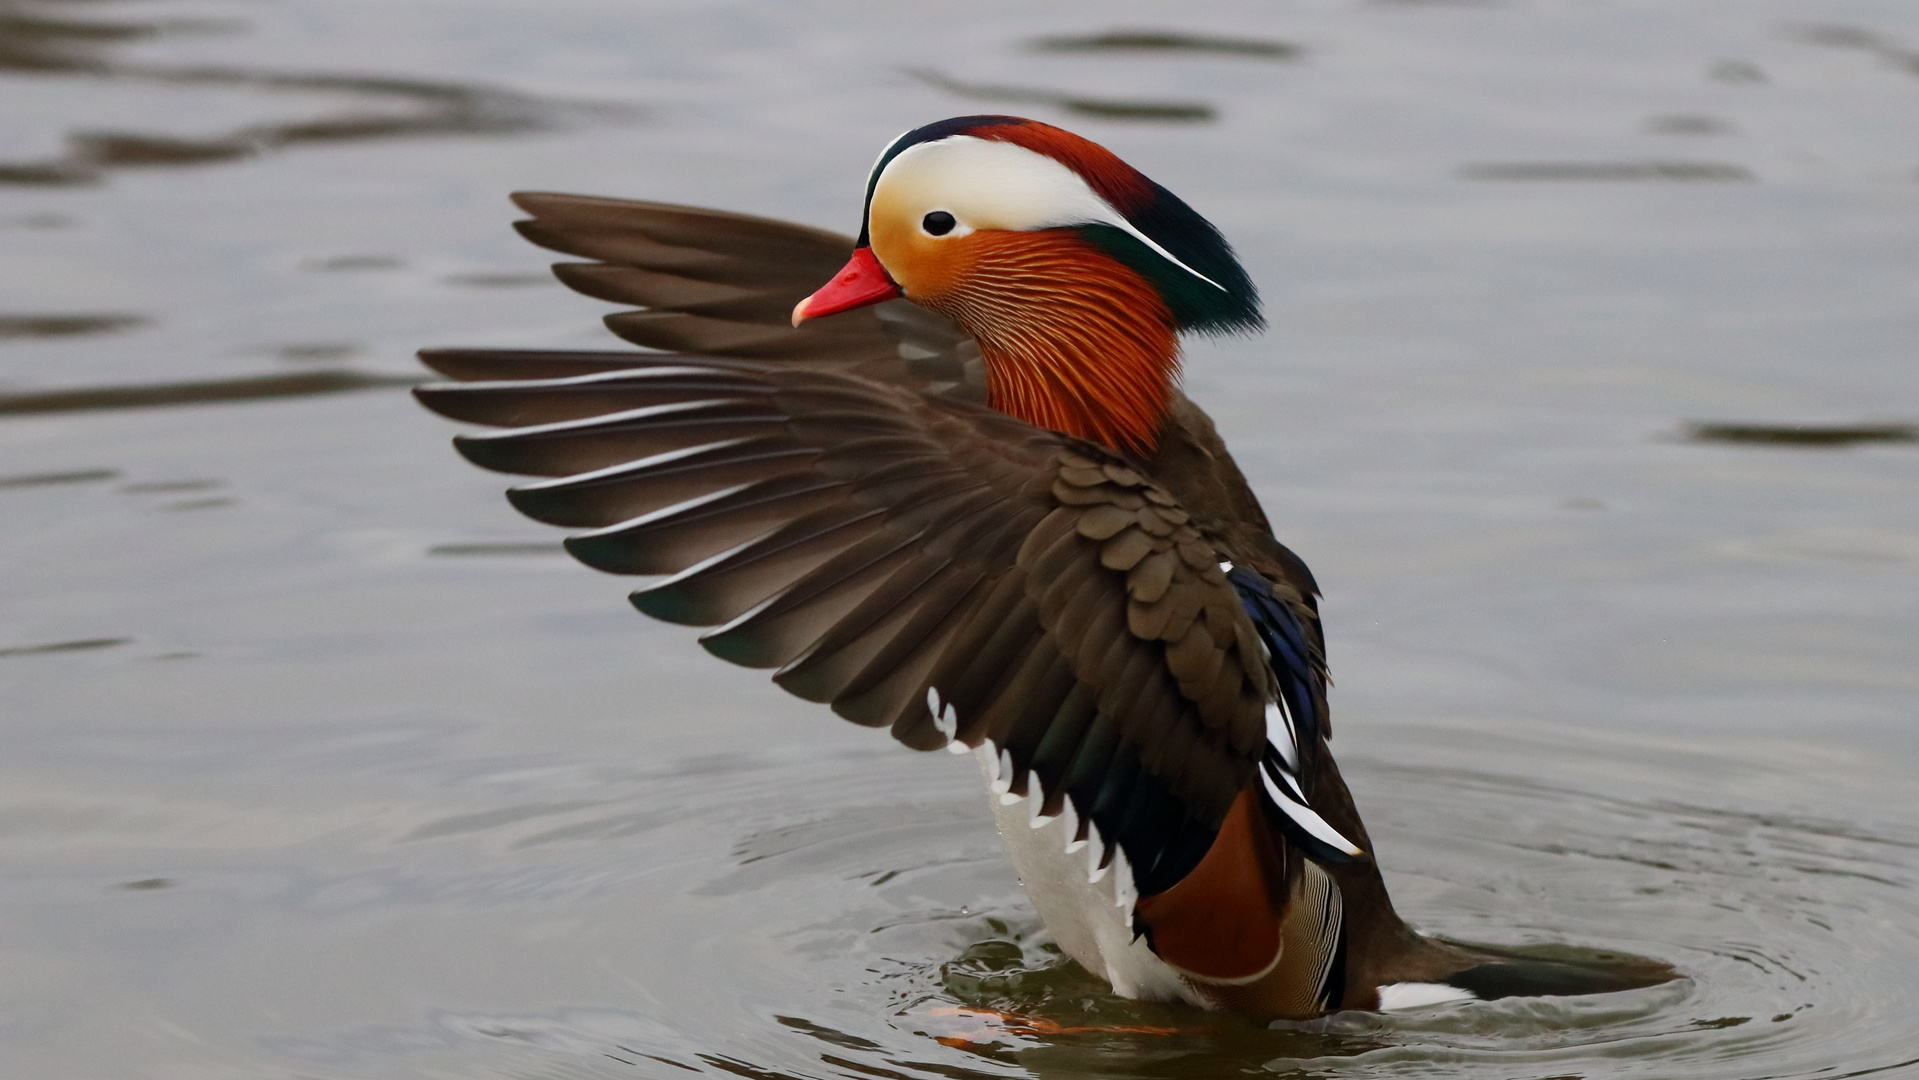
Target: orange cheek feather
1073	340
925	267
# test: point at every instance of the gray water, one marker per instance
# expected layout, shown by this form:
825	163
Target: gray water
319	762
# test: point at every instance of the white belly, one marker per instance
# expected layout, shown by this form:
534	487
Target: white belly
1089	911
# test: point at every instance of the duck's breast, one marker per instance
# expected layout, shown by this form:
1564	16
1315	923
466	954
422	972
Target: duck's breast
1088	910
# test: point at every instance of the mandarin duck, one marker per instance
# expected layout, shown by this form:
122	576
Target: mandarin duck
957	492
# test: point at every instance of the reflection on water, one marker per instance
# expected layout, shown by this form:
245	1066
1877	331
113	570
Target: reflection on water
413	795
427	109
334	264
499	281
15	326
76	476
1801	434
34	38
83	645
1688	124
1736	71
171	487
499	548
1896	56
317	350
1105	108
1165	41
248	388
1608	170
386	107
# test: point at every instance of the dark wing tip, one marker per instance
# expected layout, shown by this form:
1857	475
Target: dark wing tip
429	395
488	453
532	201
455	401
451	363
609	558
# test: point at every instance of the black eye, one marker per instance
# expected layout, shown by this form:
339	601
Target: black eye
938	223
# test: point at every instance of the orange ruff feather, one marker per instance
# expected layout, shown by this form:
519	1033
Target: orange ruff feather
1073	341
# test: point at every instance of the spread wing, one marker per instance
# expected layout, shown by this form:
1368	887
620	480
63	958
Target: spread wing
717	290
916	561
718	284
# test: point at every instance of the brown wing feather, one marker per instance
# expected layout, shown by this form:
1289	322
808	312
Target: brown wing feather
877	544
716	284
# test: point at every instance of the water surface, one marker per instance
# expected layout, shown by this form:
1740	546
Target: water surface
1589	398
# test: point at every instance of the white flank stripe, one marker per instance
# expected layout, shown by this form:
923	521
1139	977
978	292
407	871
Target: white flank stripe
1412	995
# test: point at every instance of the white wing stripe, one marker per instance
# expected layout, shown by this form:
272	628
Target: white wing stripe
1281	734
1292	783
1306	818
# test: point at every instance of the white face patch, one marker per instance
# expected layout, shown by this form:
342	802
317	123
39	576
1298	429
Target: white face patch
986	184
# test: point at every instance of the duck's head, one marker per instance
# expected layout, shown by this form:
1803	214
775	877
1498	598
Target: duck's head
1073	271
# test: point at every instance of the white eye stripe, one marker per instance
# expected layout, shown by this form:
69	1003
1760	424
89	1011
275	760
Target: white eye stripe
987	184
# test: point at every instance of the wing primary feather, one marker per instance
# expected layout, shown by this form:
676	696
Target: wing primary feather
758	570
515	403
1088	767
1116	787
1056	748
665	513
618	494
852	644
628	469
931	623
575	446
647	414
494	365
668	540
1029	702
803	613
